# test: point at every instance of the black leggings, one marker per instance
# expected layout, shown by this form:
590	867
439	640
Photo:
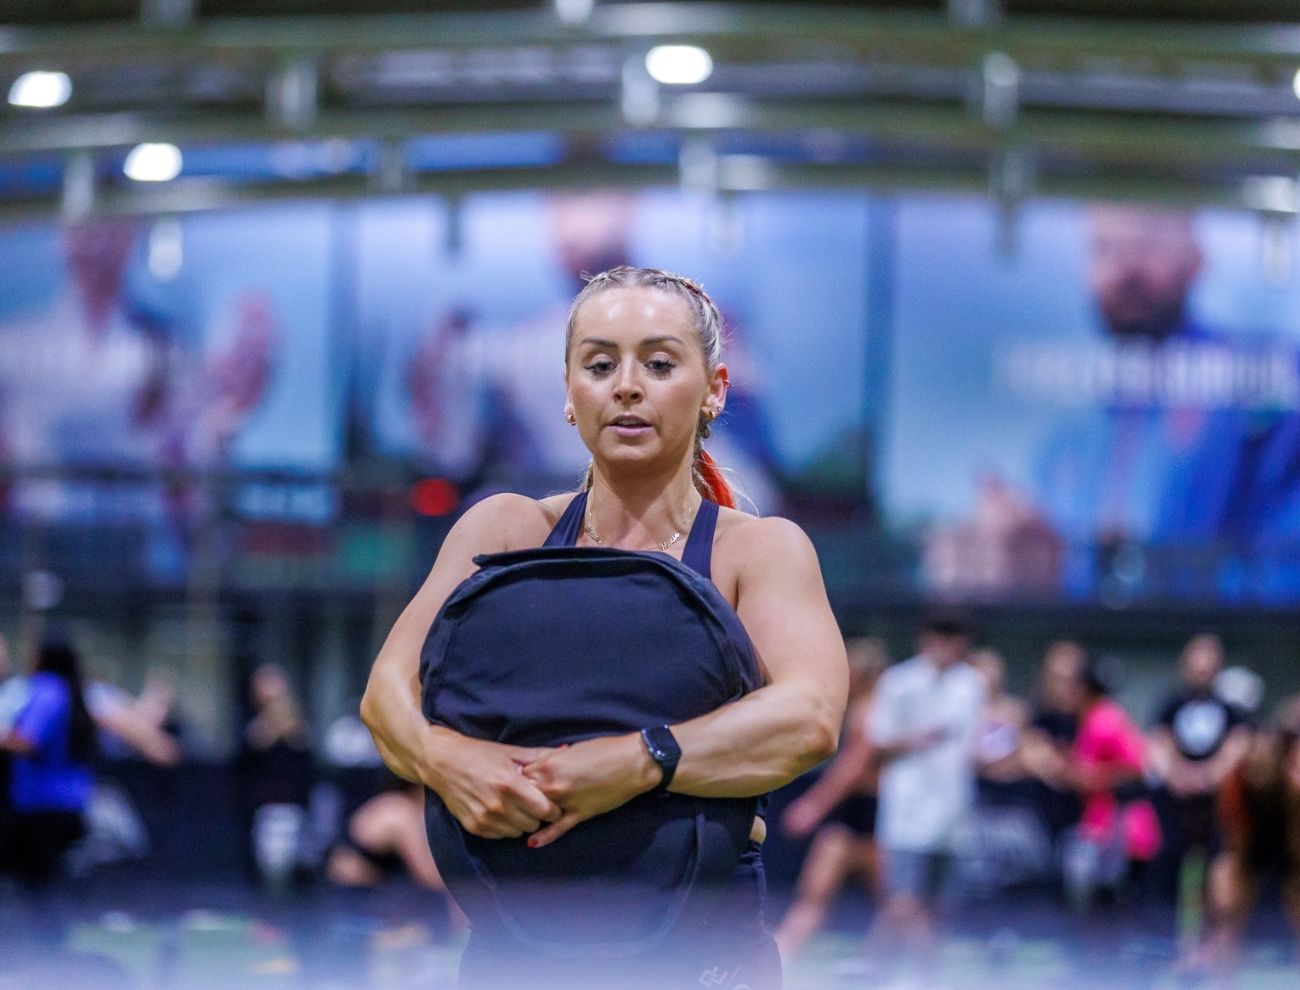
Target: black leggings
32	844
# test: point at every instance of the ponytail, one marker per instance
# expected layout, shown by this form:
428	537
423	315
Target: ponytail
710	481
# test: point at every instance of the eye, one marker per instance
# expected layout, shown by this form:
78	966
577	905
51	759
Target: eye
600	367
660	366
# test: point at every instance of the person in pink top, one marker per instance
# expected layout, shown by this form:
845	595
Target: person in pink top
1118	832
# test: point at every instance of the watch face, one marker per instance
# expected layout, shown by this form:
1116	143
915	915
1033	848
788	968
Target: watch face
663	747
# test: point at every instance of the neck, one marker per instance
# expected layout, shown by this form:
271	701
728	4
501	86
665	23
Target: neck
642	510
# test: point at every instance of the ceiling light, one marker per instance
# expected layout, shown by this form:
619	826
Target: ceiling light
40	89
153	163
573	11
1295	84
680	65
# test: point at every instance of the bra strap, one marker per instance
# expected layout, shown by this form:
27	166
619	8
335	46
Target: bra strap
569	527
698	555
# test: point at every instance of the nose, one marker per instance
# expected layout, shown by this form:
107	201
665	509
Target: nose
627	388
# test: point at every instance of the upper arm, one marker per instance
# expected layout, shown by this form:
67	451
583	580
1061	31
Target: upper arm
782	602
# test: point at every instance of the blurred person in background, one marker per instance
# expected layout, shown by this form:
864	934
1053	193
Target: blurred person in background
134	730
1118	833
1004	845
1049	738
481	411
923	724
1197	741
999	767
838	811
1259	813
278	772
52	744
384	839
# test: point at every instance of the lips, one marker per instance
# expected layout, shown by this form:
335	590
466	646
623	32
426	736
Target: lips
629	427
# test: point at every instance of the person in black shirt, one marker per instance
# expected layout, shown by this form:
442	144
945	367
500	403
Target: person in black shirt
1050	735
1197	741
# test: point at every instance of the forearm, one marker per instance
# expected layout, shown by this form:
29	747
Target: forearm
756	744
391	711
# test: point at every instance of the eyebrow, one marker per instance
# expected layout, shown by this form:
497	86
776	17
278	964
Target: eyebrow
661	339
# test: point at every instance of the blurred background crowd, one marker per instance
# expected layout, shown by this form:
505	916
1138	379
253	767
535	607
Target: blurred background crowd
1014	334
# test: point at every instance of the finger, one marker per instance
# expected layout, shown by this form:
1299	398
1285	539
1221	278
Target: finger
530	798
516	818
554	831
493	829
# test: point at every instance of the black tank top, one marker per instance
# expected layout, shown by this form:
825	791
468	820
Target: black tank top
697	554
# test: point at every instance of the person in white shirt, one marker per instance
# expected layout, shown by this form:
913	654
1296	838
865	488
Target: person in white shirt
924	722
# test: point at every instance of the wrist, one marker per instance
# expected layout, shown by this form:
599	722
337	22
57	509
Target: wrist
438	749
661	745
645	771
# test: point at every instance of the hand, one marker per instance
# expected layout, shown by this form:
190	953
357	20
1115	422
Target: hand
801	818
590	778
484	787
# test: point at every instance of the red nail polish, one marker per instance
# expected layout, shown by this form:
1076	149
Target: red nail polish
532	842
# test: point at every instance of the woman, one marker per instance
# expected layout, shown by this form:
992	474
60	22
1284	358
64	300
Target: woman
52	742
644	379
1259	811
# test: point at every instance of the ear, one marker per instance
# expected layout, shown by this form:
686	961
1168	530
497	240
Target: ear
715	400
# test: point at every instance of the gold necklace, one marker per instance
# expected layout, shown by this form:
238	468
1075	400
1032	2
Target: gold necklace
586	528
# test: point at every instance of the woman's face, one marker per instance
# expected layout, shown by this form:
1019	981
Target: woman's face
636	378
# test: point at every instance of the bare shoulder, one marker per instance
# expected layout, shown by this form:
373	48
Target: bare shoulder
761	540
767	551
508	521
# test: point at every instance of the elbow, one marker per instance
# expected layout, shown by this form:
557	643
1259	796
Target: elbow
818	743
823	742
369	709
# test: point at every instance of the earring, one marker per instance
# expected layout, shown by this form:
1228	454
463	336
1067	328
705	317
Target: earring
570	418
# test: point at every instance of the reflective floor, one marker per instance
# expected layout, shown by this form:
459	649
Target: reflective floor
218	939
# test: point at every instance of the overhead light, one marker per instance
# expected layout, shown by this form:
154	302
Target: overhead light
573	11
678	65
1295	84
153	163
41	89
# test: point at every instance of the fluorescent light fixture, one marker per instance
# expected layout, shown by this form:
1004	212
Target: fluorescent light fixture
573	11
678	65
153	163
1295	84
40	89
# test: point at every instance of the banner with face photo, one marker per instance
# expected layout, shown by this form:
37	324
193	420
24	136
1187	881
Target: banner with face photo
1109	408
133	348
462	367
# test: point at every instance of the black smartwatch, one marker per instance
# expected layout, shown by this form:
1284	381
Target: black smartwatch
664	751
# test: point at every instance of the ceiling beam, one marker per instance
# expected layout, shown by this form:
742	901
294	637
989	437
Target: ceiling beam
758	29
736	174
1105	135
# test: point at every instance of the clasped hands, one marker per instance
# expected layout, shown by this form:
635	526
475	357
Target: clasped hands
497	791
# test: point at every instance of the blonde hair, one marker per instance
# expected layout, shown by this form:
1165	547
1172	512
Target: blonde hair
709	331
